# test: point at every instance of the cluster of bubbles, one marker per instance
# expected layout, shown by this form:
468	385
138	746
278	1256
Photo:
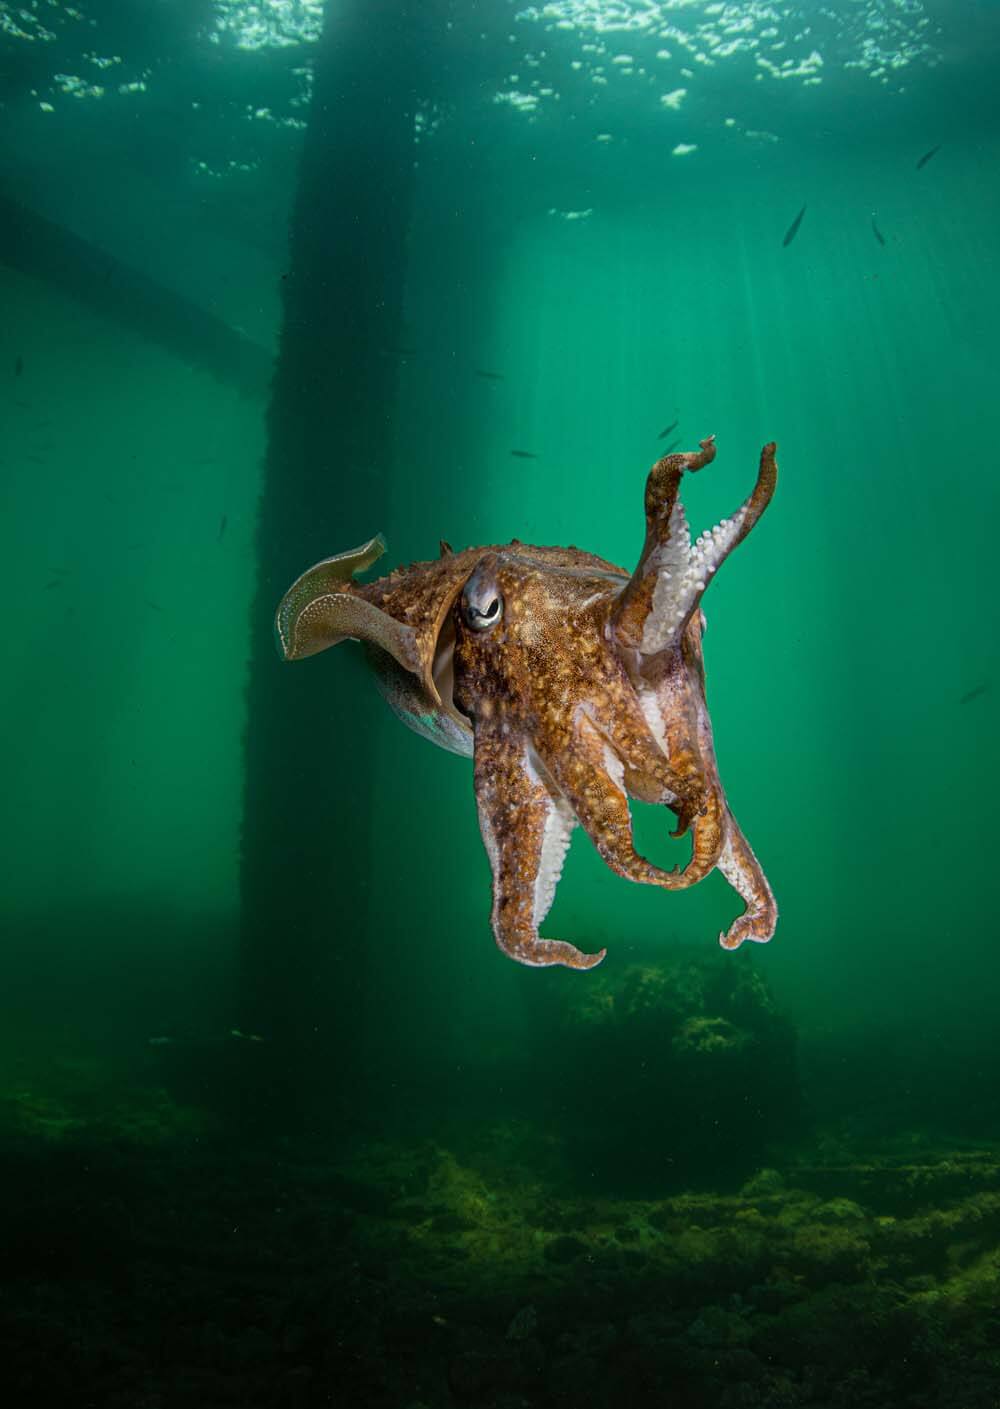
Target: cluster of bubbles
657	42
267	24
653	54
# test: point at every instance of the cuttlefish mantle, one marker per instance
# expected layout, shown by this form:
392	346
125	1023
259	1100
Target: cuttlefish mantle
572	685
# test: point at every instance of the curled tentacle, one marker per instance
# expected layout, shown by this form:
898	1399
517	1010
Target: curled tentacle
743	871
591	777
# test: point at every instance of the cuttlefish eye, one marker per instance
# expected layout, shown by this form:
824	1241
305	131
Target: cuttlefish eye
482	615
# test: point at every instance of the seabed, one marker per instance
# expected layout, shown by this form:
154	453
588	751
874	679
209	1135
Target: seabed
156	1257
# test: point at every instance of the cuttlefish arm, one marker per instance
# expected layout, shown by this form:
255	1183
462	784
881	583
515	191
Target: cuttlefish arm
526	828
652	616
743	871
736	859
657	626
591	777
672	574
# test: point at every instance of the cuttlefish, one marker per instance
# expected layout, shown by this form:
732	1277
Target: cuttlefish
572	685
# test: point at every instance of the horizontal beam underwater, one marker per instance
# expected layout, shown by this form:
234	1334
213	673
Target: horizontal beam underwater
32	244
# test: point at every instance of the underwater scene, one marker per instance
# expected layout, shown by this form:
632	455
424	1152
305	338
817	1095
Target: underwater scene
456	952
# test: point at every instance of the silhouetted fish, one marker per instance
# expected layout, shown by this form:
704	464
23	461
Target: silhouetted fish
18	365
155	605
222	527
672	446
793	229
667	429
489	376
877	232
234	1033
974	693
524	455
56	582
927	156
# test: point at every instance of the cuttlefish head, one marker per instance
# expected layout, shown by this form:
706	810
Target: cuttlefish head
404	622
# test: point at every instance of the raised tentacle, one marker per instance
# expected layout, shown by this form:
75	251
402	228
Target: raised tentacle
673	572
666	544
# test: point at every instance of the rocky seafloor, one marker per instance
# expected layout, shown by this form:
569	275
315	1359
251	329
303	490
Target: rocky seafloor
407	1275
156	1255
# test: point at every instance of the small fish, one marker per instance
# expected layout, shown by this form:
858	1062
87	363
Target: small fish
667	429
36	459
18	365
56	582
793	229
489	376
150	603
927	156
672	446
446	548
162	1040
524	455
877	232
222	528
974	693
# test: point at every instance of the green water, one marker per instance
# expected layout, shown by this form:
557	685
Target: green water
409	1172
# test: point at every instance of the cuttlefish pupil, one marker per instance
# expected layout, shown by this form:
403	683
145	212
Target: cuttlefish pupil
483	620
593	694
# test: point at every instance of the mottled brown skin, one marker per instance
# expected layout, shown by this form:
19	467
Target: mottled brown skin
574	686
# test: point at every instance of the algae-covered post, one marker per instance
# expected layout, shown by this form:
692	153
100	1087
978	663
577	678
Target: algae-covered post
305	808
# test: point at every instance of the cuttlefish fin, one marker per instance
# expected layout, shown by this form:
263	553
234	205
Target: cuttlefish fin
319	610
526	828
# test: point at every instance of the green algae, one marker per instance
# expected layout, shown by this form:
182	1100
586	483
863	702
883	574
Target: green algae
477	1268
64	1097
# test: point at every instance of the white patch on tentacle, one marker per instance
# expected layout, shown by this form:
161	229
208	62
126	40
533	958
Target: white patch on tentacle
682	572
560	820
650	706
489	838
615	768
